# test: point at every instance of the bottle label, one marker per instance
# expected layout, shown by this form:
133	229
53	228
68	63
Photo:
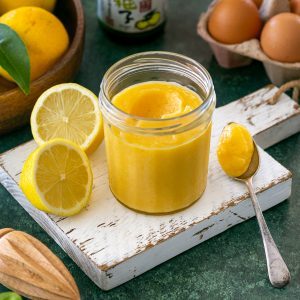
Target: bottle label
132	16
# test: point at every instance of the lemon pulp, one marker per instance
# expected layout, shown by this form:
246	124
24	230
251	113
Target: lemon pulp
68	111
57	178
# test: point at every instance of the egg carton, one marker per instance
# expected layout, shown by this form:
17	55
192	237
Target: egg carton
238	55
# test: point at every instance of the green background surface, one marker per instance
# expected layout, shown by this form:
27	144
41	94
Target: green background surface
229	266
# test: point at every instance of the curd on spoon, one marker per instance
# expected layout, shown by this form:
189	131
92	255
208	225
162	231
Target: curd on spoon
235	149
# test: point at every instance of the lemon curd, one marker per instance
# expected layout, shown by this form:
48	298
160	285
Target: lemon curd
157	109
157	173
235	149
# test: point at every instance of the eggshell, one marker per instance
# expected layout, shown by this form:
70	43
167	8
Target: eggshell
234	21
280	38
295	6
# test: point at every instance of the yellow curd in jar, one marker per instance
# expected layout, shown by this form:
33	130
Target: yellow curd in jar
157	173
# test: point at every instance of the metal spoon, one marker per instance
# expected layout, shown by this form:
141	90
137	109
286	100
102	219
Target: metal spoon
279	274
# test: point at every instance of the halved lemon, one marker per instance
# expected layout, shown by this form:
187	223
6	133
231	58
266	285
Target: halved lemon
57	178
68	111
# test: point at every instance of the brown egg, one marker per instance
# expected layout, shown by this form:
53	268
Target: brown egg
258	2
280	38
295	6
234	21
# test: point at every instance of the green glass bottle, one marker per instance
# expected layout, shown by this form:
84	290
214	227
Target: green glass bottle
132	18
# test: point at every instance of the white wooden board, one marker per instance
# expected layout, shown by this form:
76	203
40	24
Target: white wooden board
113	244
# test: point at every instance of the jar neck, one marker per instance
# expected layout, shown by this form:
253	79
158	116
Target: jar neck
157	66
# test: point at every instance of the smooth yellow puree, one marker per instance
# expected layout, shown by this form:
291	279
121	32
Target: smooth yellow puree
235	149
157	174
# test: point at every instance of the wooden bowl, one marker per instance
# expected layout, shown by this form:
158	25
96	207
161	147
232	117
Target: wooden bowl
16	107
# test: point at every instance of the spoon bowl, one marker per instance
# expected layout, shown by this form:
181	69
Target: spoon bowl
253	166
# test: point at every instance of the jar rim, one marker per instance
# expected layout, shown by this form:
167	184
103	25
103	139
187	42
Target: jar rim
105	102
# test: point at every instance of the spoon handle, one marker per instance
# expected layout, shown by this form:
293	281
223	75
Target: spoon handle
279	274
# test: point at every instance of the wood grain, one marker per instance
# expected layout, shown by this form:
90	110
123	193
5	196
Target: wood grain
29	268
113	244
15	107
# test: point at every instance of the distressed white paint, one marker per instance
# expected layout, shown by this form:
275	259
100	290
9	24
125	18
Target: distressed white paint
113	244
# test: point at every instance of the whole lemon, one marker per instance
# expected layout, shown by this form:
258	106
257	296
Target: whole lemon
44	36
7	5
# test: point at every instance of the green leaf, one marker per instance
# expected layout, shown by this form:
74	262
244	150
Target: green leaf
14	58
10	296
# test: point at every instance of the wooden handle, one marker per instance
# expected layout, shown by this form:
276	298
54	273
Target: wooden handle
29	268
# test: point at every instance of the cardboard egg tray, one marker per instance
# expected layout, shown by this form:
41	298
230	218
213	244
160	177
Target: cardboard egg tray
238	55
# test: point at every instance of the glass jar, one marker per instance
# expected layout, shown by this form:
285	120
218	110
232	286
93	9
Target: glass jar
157	165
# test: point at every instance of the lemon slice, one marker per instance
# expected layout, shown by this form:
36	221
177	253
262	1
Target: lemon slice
57	178
68	111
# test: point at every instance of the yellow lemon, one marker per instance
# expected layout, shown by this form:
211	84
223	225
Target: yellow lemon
57	178
7	5
235	149
43	34
68	111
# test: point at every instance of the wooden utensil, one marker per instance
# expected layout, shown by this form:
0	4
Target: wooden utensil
15	107
29	268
